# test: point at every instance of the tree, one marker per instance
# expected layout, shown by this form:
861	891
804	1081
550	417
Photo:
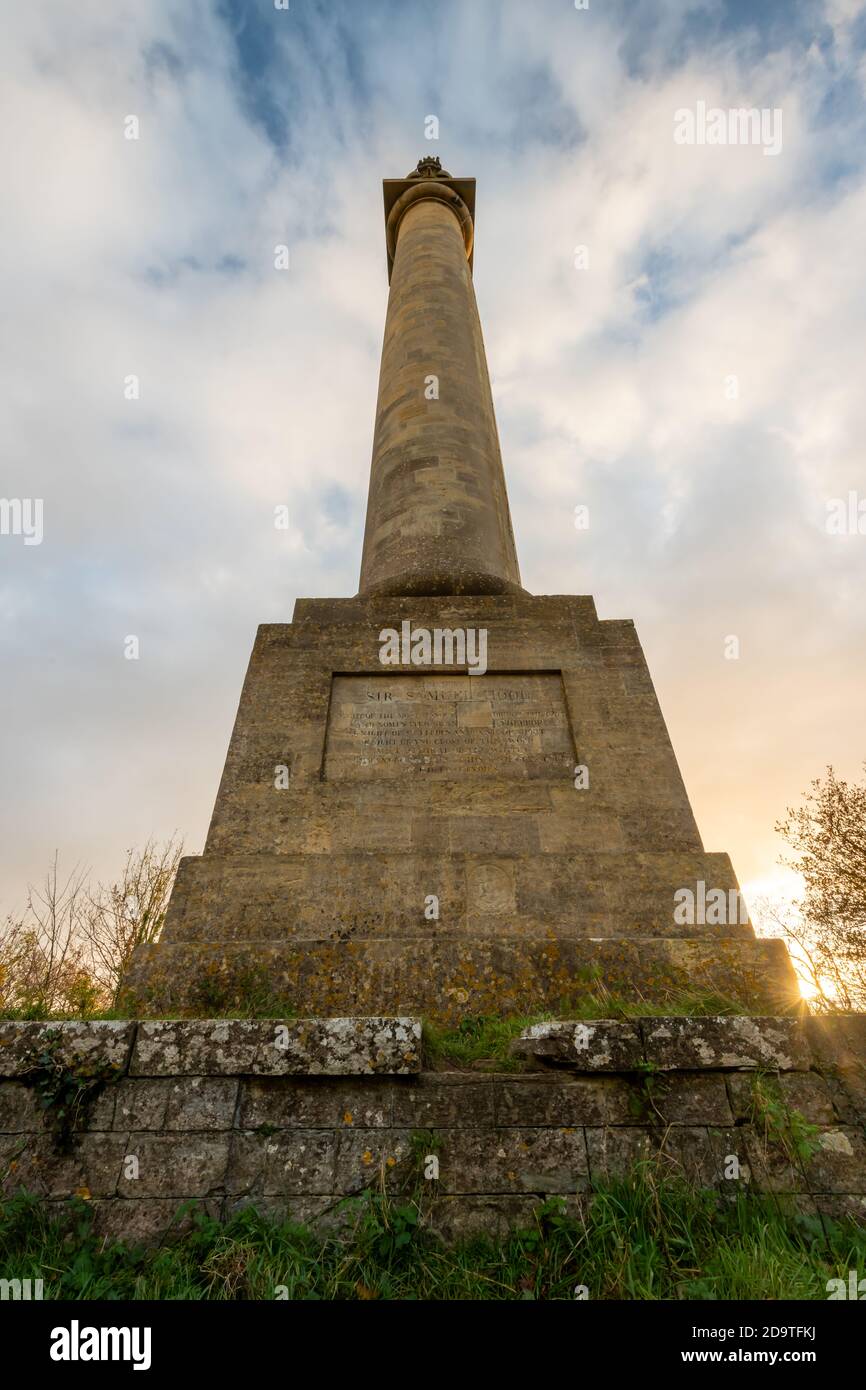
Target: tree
130	912
828	838
66	954
44	966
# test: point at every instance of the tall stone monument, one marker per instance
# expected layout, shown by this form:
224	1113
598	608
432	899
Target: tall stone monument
446	796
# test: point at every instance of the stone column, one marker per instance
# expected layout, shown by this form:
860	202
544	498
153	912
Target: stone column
437	513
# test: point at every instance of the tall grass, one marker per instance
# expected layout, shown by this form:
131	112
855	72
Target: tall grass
642	1238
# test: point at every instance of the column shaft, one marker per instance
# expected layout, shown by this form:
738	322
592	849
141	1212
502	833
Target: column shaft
437	514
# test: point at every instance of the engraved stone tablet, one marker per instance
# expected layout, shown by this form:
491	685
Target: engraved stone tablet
448	726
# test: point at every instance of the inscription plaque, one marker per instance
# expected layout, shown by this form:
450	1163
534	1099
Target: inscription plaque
448	726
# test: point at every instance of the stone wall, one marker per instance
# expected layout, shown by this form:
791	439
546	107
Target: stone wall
293	1117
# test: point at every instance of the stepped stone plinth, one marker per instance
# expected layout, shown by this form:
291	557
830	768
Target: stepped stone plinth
486	817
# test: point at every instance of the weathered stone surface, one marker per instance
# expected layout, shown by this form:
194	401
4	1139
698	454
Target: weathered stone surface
691	1153
689	1098
513	1160
809	1095
731	1160
804	1093
314	1103
296	1146
291	1162
445	979
596	1045
140	1104
842	1207
563	1100
460	1218
773	1166
839	1161
848	1092
613	1152
373	1158
838	1040
319	1046
499	726
20	1111
98	1111
202	1102
98	1041
437	517
726	1043
149	1220
32	1163
445	1102
175	1165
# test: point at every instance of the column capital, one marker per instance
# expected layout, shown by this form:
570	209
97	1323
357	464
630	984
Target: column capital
424	184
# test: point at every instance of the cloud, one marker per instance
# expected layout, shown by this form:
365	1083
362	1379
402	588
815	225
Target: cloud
155	257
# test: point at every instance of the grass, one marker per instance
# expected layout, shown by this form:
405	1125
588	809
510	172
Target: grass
596	1002
780	1123
484	1040
643	1238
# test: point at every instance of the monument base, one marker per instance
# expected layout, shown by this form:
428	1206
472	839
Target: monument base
421	839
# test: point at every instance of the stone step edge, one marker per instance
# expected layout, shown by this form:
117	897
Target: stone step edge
292	858
380	1046
392	1046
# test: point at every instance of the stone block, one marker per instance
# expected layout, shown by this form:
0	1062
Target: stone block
683	1098
316	1103
444	1101
540	1160
690	1153
838	1163
613	1152
801	1093
293	1162
773	1165
808	1095
598	1045
445	979
732	1043
32	1163
102	1042
467	1217
202	1103
563	1100
175	1165
848	1092
20	1111
374	1158
839	1208
149	1221
838	1040
318	1046
141	1102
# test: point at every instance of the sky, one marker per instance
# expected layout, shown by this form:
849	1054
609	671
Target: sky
694	375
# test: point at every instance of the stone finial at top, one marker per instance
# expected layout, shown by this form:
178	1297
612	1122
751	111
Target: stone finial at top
430	167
